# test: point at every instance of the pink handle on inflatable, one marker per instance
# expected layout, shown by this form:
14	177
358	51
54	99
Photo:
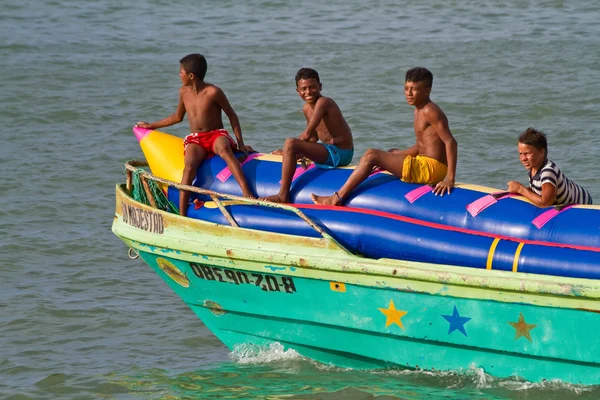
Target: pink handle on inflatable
299	171
484	202
226	172
376	171
415	194
546	216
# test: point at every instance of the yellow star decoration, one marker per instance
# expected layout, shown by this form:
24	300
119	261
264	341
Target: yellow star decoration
522	328
392	315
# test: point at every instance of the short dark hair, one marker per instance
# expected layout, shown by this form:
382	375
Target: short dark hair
194	64
419	74
535	138
307	73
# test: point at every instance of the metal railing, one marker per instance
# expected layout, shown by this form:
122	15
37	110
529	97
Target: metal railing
135	165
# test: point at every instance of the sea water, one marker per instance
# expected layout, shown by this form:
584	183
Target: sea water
79	320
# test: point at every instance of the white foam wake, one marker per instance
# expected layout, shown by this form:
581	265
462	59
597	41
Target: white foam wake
255	354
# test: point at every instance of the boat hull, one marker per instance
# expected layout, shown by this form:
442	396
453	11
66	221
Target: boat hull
310	295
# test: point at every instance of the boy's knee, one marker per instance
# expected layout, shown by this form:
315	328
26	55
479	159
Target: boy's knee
370	156
289	144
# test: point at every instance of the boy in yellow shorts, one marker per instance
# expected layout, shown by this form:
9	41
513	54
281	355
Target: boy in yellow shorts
432	160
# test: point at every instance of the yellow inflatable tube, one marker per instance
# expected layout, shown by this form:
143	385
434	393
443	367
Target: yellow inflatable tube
164	153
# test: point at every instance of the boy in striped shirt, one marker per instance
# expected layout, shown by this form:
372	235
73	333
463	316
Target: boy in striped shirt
547	184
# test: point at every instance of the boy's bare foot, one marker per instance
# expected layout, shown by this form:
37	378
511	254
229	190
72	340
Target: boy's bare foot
276	198
333	200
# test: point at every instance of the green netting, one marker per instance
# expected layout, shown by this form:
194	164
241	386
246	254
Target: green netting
139	194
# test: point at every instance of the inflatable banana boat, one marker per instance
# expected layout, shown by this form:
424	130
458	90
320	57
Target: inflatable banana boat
384	217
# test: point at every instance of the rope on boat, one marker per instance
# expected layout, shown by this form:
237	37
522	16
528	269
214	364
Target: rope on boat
144	189
148	192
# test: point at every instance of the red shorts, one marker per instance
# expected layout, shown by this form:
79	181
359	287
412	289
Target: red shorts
206	140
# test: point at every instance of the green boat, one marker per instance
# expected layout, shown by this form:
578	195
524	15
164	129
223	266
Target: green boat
310	294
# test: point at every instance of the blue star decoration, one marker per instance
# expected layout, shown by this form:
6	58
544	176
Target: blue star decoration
456	322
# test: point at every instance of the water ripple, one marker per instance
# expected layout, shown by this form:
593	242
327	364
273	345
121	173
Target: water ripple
81	320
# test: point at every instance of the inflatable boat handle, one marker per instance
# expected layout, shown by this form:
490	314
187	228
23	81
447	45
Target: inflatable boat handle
226	172
546	216
484	202
415	194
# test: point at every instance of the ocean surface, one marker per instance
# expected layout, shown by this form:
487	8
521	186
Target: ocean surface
79	320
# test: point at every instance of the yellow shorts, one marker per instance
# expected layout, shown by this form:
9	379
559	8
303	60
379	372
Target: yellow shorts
421	169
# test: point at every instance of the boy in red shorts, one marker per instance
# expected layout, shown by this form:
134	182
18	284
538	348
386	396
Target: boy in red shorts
203	104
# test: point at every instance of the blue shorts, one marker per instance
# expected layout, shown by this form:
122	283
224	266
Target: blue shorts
337	157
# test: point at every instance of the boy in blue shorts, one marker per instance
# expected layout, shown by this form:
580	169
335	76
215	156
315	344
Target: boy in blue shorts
327	139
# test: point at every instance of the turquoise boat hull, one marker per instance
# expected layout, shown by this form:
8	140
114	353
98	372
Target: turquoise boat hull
428	331
308	294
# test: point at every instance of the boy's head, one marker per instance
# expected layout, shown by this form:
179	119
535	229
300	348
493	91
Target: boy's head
419	74
194	64
307	73
535	138
533	148
417	86
308	85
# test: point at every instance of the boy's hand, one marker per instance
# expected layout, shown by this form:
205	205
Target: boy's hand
514	187
143	124
246	149
444	186
304	135
277	152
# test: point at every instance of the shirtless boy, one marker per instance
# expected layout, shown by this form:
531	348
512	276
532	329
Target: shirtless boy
327	139
203	104
432	160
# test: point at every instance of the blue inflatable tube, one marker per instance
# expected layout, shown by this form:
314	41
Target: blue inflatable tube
387	218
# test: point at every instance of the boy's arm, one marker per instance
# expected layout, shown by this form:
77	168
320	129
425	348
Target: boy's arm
223	102
170	120
440	124
310	133
547	198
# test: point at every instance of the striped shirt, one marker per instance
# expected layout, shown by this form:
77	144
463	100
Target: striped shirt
567	192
